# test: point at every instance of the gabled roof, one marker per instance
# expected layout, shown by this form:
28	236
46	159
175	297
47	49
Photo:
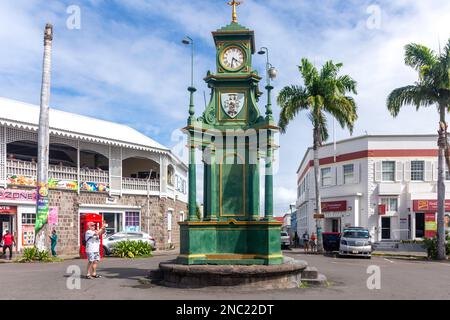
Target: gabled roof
23	115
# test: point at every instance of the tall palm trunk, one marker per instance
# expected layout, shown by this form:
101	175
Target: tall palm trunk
442	142
43	143
316	145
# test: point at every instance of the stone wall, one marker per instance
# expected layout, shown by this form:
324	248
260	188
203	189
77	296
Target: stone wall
154	217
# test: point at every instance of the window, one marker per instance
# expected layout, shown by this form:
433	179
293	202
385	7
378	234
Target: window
417	169
390	203
348	173
170	176
28	218
388	170
132	221
326	176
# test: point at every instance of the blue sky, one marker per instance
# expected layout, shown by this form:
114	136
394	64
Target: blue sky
127	64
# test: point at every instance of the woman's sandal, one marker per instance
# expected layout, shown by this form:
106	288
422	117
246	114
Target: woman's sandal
96	276
88	277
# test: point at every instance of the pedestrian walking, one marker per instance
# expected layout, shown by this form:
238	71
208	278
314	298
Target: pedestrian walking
305	238
54	239
8	242
312	242
296	239
92	238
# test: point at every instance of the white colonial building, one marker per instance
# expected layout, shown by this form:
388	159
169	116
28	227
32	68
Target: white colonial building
386	183
96	166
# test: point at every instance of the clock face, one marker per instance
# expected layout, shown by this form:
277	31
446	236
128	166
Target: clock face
233	58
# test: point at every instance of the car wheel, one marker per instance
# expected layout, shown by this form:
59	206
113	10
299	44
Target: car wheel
106	252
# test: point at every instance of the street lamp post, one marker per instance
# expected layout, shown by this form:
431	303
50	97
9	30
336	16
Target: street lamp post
192	169
271	74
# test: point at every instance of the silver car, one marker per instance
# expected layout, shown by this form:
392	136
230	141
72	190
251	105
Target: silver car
356	242
111	240
285	240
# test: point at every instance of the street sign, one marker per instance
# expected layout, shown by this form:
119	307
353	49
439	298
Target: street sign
319	216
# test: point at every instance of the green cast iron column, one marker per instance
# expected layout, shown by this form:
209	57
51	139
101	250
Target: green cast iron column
214	205
269	116
268	196
192	171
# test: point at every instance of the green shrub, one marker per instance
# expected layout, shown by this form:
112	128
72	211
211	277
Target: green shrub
33	254
28	254
431	246
132	249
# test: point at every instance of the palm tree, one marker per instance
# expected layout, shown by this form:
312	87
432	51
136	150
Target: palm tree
43	142
323	92
432	88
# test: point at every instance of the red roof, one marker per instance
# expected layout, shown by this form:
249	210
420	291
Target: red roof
280	219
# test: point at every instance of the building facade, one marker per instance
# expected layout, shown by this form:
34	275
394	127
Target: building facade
95	166
386	183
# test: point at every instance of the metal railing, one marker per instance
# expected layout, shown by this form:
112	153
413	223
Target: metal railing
136	184
28	169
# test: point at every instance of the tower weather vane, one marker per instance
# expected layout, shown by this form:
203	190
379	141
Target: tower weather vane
234	3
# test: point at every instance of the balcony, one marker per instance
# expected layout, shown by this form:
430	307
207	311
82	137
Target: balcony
24	173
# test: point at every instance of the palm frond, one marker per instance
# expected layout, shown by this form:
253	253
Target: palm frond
420	57
308	72
291	99
417	95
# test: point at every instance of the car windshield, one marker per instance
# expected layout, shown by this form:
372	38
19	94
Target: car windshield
356	234
284	234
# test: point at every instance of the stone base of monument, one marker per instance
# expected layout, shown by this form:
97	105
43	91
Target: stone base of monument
290	274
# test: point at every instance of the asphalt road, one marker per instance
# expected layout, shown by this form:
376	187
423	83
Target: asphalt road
399	279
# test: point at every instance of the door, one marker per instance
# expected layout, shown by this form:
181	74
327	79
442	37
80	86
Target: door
335	225
114	222
385	228
420	225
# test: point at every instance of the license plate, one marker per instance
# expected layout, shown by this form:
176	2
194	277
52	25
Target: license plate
355	251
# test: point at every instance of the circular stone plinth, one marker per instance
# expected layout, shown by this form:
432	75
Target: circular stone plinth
282	276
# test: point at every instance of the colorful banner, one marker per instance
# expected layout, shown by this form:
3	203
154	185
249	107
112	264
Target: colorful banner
53	216
334	206
52	183
18	195
430	225
63	184
42	207
94	187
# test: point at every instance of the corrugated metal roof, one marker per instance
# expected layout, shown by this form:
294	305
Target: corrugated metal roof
24	115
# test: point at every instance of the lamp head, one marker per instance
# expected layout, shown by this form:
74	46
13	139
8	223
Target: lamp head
272	73
186	41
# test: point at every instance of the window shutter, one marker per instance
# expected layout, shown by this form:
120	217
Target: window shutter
340	175
407	171
378	171
333	175
428	170
398	171
435	170
356	172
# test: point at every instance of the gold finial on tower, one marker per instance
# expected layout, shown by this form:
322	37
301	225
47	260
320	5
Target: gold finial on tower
234	3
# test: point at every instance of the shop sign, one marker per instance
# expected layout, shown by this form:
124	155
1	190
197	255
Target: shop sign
8	210
430	225
17	195
63	184
334	206
429	205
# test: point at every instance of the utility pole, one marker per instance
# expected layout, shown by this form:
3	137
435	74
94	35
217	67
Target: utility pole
43	143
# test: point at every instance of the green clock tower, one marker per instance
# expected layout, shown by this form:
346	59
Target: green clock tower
234	137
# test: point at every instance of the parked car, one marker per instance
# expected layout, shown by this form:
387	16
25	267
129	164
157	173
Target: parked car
331	241
111	240
285	239
356	241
